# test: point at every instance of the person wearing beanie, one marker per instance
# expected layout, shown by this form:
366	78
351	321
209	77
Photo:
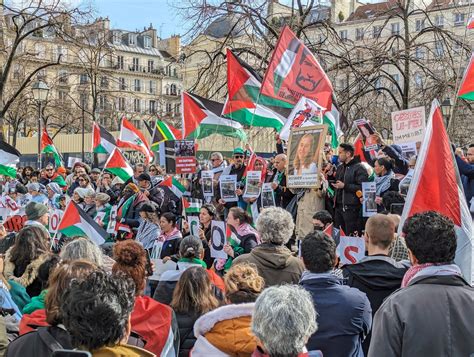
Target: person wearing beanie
35	194
78	195
102	207
89	202
154	322
54	191
37	215
150	187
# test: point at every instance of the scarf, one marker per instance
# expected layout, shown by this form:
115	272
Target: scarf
430	269
245	229
194	261
383	183
175	233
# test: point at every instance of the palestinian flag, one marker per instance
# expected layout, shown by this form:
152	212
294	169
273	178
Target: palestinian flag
202	117
102	141
47	147
334	233
59	180
192	205
244	87
131	137
232	236
466	91
77	223
9	158
118	165
294	72
163	132
470	23
174	185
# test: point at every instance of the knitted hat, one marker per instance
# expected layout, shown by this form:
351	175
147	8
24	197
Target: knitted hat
89	192
34	186
102	197
95	171
54	187
81	192
61	170
35	210
144	177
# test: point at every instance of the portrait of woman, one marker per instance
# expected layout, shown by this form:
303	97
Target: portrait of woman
303	162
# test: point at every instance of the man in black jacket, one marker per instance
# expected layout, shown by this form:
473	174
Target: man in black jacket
377	275
349	177
283	195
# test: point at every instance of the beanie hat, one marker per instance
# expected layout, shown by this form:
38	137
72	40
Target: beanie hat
54	187
102	197
81	192
21	189
34	186
61	170
144	177
89	192
35	210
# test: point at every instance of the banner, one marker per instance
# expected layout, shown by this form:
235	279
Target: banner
218	239
54	220
179	156
408	125
351	250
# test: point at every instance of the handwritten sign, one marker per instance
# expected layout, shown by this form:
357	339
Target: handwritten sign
408	125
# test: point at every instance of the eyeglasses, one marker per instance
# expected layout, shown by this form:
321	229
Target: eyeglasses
82	180
214	160
49	170
238	156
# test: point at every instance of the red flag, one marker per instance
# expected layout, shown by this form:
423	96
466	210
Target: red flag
131	137
294	72
466	90
436	186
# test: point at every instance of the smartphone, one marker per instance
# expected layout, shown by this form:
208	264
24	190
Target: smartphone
71	353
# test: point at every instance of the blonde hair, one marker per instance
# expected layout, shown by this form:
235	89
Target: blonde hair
243	283
306	161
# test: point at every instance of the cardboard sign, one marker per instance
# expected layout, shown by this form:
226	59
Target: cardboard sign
351	250
218	240
228	185
180	156
252	184
54	220
408	125
369	206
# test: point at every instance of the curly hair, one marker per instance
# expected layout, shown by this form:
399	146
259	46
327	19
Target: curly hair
318	251
431	237
130	259
30	243
242	283
275	225
97	309
59	281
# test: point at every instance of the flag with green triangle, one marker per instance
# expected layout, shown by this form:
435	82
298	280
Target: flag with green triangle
163	132
118	165
47	147
192	205
174	185
9	158
466	91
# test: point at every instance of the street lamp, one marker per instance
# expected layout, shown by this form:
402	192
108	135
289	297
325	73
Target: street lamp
446	109
40	92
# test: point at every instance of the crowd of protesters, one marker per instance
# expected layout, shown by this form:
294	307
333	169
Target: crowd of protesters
282	291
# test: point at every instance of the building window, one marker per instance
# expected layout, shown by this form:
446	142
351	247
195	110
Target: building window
152	87
177	108
343	35
147	42
152	107
439	49
137	85
61	51
359	34
84	100
439	21
102	102
104	82
62	76
419	25
16	71
377	31
132	39
420	53
121	104
62	96
136	105
117	37
40	51
418	80
395	28
395	81
84	79
173	89
119	62
122	85
151	65
459	19
135	64
168	108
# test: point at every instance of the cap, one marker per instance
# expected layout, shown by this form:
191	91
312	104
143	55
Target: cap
95	171
238	151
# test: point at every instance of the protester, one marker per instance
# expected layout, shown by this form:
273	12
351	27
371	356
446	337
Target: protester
310	201
79	168
349	177
430	315
192	298
275	263
170	235
385	180
88	205
35	193
95	177
155	323
377	275
25	175
207	214
283	321
344	313
227	329
283	195
81	248
322	220
37	215
102	209
127	211
149	229
237	168
54	192
466	170
247	235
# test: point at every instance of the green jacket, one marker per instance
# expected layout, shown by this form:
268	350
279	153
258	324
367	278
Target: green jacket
36	303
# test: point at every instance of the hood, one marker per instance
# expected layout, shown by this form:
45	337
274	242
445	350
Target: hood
206	322
272	256
378	272
122	351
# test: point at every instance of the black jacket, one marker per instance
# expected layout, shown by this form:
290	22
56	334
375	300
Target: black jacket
186	332
352	174
283	195
40	343
248	242
377	276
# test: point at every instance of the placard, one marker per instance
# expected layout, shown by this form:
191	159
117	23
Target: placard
112	222
54	220
408	125
179	156
218	239
160	268
304	156
409	150
207	183
267	196
252	184
369	206
366	130
405	182
193	222
228	186
351	250
99	218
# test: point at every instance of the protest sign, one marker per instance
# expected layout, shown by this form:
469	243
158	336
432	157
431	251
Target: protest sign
54	220
408	125
366	129
408	150
369	206
252	184
228	185
218	239
112	222
267	196
179	156
207	184
351	249
99	218
15	223
405	182
304	156
193	222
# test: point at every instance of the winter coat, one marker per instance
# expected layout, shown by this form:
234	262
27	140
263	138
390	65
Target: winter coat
275	264
36	303
122	351
171	245
247	242
156	324
377	276
467	177
432	316
225	331
186	332
27	278
283	195
344	316
352	175
147	233
313	201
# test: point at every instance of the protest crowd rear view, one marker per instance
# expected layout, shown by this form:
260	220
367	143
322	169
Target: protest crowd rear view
331	246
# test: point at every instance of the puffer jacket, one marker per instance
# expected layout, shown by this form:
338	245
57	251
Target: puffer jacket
275	264
225	332
352	175
186	332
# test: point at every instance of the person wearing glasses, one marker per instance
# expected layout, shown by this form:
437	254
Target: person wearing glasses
237	168
51	176
217	166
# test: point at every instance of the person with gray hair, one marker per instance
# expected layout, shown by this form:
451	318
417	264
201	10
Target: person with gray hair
275	262
283	320
82	248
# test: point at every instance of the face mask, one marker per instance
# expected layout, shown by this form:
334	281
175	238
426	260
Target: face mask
318	228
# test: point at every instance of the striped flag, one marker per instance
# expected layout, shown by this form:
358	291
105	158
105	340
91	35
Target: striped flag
174	185
192	205
163	132
118	165
47	147
131	137
102	141
466	90
9	158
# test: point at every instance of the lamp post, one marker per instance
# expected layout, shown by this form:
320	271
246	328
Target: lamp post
40	92
446	110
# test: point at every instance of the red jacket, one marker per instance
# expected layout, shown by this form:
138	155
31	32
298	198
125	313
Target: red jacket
29	322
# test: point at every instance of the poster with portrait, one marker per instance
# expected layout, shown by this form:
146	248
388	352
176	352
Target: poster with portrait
366	129
369	206
228	185
267	197
305	149
252	184
207	184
